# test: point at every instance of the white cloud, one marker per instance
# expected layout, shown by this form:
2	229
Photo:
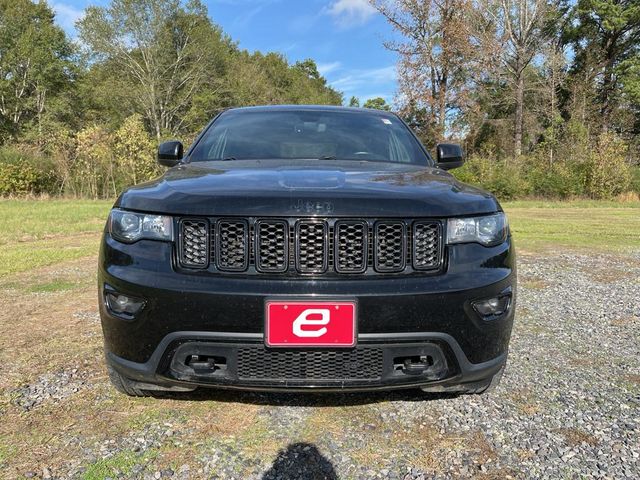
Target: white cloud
349	13
365	83
325	68
356	79
66	15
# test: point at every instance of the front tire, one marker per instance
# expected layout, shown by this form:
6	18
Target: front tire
125	385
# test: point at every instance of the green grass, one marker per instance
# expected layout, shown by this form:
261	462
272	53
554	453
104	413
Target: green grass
570	204
28	220
590	225
36	233
54	286
6	451
20	257
121	463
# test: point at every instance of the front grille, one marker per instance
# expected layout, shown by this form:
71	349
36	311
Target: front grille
295	246
259	363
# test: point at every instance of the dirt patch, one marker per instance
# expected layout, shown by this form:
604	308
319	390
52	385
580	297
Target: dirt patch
536	283
525	401
610	275
625	321
633	378
575	436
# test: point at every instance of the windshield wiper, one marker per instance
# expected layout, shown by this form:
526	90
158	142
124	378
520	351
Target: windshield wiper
228	159
328	157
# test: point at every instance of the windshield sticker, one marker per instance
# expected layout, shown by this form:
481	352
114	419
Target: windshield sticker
386	121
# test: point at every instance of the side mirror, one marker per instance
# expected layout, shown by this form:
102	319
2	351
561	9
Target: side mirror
170	153
449	156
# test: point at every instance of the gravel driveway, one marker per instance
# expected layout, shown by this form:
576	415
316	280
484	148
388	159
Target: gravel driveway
568	406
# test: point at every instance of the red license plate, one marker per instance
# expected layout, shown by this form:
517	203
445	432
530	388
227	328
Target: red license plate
313	324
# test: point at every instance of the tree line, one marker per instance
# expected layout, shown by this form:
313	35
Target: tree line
83	118
543	94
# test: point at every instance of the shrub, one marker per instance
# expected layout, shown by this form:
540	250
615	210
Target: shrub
93	172
608	173
23	173
635	179
134	151
562	179
505	179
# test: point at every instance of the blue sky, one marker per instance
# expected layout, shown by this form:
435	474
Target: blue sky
344	37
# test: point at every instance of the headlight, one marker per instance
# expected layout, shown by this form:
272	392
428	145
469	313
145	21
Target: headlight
487	230
130	227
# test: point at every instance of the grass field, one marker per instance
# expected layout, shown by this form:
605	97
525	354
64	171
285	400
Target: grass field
35	233
590	225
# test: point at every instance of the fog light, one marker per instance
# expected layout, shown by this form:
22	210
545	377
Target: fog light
492	307
123	304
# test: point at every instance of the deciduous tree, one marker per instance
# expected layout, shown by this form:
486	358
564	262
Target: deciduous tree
434	57
35	64
169	51
512	32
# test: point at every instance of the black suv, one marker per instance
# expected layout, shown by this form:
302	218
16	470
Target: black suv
306	248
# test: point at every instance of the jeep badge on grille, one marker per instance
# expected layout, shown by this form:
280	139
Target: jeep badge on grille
312	206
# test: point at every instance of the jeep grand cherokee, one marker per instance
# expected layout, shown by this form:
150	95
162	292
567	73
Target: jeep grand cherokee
306	248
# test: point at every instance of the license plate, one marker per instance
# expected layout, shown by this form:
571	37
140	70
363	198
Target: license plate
310	324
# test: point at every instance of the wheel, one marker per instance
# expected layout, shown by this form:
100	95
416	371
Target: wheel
125	385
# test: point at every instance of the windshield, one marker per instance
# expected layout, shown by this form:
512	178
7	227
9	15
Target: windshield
309	134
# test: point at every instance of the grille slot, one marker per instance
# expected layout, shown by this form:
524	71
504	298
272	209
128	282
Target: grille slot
351	245
311	246
194	251
260	363
427	245
390	246
272	246
232	245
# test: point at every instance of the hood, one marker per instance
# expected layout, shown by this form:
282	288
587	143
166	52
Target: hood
307	188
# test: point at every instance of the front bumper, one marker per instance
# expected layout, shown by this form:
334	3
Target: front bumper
379	362
222	317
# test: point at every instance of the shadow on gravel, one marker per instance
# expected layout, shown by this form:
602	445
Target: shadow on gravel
302	399
300	461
